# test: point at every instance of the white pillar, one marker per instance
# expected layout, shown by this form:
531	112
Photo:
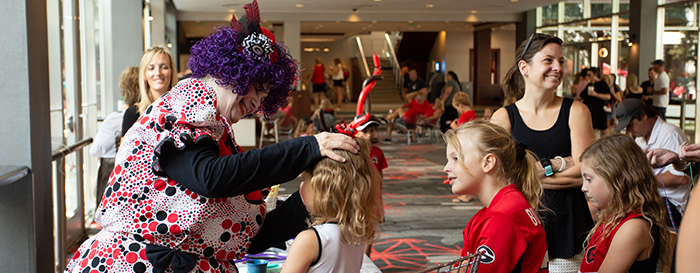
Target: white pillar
123	46
292	38
158	23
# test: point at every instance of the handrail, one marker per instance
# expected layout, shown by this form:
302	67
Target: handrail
62	152
59	202
362	54
13	176
396	66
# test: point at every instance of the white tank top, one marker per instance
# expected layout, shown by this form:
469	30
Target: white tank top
340	75
336	255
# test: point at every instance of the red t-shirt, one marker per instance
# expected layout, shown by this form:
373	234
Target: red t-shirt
467	117
318	78
288	118
415	109
377	156
509	232
598	247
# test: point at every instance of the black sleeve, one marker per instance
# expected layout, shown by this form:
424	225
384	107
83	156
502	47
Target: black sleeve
420	83
200	169
281	224
130	116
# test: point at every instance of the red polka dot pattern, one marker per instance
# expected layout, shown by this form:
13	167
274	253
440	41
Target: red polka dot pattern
141	207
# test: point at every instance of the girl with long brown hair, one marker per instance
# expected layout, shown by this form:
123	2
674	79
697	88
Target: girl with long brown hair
631	235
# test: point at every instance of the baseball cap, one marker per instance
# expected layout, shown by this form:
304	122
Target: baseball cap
372	120
626	110
659	62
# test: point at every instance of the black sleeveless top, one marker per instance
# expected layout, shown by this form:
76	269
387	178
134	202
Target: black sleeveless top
567	220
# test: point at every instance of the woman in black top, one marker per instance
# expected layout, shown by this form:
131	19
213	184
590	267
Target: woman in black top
557	130
156	76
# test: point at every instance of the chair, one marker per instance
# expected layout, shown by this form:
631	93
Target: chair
467	264
286	130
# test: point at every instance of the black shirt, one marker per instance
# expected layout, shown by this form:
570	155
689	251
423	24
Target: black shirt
647	85
416	85
566	218
130	116
199	168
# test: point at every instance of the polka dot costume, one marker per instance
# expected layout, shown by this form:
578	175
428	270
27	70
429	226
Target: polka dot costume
142	206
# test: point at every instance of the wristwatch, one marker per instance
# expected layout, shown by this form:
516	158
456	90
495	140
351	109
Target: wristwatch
547	166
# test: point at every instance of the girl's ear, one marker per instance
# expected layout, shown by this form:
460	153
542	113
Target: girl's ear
488	163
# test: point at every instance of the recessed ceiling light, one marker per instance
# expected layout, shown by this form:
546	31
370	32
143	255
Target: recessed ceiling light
231	10
377	0
514	1
429	5
300	5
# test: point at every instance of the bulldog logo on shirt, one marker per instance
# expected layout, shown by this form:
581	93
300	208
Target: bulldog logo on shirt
487	254
590	254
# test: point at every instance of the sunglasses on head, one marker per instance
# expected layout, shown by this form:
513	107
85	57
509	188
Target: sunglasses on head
539	36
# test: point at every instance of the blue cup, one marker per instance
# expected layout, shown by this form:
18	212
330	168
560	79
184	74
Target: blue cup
257	266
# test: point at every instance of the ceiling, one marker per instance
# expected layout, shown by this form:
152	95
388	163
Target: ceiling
327	20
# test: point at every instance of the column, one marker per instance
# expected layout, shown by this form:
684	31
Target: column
123	45
482	63
642	33
158	23
292	38
24	109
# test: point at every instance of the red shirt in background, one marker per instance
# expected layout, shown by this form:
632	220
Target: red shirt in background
319	78
415	109
466	117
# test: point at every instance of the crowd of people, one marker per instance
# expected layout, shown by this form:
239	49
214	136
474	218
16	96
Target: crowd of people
177	194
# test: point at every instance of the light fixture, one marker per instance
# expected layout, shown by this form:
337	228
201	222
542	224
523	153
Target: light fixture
170	45
150	18
300	5
326	49
429	5
603	52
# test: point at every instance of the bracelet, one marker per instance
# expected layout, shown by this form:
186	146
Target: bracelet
563	163
681	168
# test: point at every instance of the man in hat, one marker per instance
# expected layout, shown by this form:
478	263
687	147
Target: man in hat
661	84
650	132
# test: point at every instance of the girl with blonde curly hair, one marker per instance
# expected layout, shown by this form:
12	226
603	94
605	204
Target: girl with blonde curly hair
343	201
631	235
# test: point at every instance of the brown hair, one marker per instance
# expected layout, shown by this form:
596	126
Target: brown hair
348	194
514	83
489	138
619	161
149	55
129	85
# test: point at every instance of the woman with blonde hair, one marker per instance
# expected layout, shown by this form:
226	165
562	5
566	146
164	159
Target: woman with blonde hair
557	130
633	89
631	235
157	75
343	200
483	160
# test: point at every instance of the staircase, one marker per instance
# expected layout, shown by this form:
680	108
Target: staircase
384	96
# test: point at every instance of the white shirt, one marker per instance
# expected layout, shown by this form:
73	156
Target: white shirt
668	136
104	144
340	75
336	255
661	81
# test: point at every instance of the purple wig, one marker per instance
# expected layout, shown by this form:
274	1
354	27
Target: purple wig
219	56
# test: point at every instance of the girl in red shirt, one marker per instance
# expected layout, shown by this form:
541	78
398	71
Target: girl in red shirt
631	235
483	160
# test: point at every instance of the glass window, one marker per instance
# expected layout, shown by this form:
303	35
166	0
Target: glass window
550	14
573	11
601	7
680	15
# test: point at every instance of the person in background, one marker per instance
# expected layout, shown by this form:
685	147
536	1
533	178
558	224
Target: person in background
557	130
483	160
376	155
283	116
183	197
438	109
651	132
582	84
342	199
461	102
156	76
338	81
648	87
488	112
633	90
661	84
452	87
615	97
405	69
303	127
318	79
328	114
418	107
596	98
104	145
631	235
